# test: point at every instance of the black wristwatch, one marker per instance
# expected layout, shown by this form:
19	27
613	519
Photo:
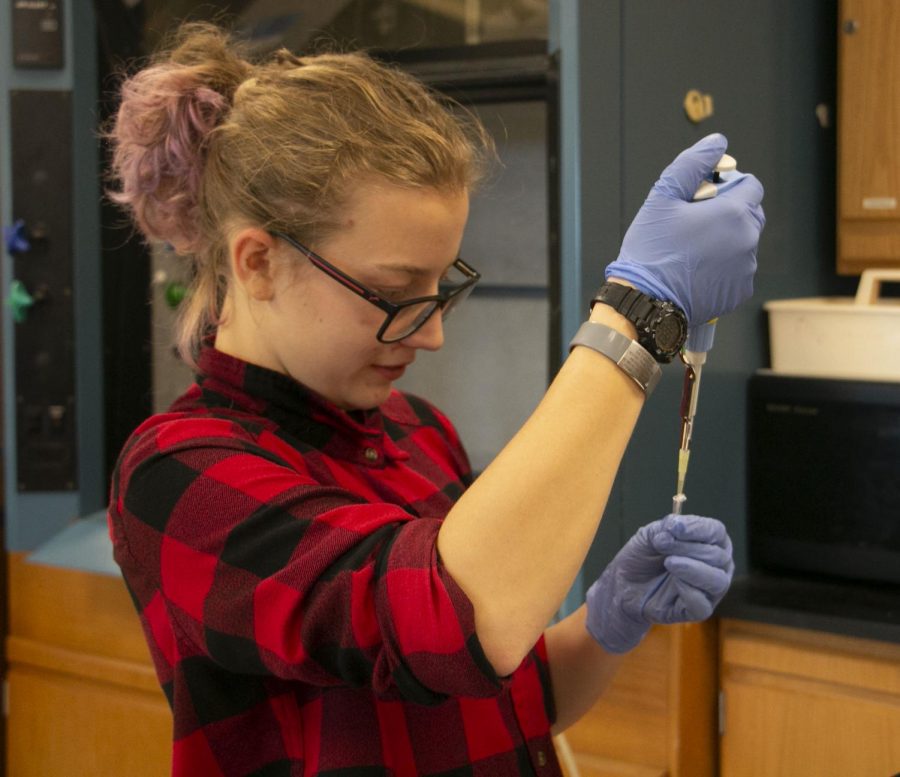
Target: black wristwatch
661	326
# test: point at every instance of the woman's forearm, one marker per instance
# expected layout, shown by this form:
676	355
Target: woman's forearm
579	669
516	539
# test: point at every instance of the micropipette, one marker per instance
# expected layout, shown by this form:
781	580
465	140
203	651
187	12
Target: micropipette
699	342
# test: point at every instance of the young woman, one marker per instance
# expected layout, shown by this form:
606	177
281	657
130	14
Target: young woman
323	587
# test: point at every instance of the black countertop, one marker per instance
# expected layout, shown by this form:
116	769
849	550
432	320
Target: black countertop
866	610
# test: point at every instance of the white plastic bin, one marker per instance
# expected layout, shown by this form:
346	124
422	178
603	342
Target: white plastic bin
839	337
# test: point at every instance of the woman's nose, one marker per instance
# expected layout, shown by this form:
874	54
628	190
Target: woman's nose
431	335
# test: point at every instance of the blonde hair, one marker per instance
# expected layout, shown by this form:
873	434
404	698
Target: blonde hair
205	138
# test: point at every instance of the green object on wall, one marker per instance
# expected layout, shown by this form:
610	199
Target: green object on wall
175	294
19	301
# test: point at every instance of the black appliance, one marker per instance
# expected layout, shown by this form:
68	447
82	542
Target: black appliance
824	477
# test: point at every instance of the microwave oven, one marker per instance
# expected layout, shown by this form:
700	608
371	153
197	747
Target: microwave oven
824	477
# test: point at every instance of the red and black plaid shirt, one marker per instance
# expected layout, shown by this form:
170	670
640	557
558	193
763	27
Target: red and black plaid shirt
281	554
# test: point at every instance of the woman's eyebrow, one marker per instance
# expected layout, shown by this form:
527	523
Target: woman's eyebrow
408	268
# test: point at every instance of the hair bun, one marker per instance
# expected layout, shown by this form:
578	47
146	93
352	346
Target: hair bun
161	132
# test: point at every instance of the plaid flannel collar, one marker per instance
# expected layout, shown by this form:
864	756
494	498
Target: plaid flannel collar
228	381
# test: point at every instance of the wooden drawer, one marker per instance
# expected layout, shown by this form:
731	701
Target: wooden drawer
805	702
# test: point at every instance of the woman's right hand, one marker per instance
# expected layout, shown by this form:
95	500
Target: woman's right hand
700	255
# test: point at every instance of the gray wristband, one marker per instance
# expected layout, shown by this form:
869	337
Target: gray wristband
632	358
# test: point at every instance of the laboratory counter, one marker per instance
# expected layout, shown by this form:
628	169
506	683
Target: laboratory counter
855	609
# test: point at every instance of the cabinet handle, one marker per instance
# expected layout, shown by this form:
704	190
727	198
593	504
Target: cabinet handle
851	26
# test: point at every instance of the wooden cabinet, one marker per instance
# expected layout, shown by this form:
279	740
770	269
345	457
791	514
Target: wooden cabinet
868	182
83	700
805	702
659	716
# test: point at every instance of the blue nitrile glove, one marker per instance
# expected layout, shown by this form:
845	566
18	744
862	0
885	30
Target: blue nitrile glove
673	570
699	255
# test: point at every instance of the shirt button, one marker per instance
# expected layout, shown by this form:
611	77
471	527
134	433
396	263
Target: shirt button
371	454
541	758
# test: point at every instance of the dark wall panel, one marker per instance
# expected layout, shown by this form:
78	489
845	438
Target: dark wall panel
45	337
767	65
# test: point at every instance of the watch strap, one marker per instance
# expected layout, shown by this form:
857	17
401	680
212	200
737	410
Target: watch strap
615	295
629	355
647	314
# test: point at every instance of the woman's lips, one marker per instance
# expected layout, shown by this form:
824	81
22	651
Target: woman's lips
390	372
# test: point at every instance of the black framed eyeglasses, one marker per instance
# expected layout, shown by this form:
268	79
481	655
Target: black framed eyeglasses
408	316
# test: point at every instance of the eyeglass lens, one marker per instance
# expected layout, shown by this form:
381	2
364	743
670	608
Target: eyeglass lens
411	318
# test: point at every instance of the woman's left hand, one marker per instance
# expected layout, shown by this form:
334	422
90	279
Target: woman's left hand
673	570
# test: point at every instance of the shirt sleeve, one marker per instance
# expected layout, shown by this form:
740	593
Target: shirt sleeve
235	553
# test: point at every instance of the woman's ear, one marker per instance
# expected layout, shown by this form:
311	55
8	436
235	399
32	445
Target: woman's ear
253	262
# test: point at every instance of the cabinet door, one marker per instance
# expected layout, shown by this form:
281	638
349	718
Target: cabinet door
658	716
870	109
806	702
869	134
61	725
82	696
774	728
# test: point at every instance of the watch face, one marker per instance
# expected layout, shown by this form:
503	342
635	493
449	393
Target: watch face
670	333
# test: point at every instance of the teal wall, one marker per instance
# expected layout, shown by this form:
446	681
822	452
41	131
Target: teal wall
767	64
